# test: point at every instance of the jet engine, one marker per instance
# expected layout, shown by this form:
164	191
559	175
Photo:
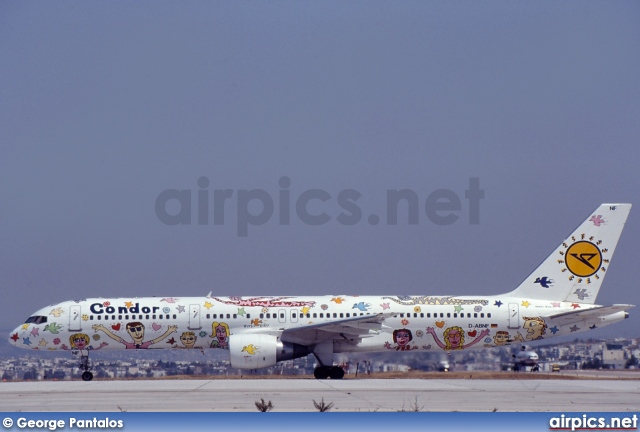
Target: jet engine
253	351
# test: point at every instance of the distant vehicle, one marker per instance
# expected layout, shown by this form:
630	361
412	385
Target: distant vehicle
555	367
556	299
443	366
525	359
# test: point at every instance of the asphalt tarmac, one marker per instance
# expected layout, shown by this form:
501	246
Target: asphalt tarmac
349	395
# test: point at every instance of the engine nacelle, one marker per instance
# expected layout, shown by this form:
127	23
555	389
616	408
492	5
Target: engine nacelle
253	351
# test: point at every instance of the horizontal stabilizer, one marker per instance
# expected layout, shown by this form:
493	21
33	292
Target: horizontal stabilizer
587	314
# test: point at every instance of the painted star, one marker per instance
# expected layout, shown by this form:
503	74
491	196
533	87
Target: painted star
554	329
458	308
387	345
338	300
575	305
208	305
385	306
526	303
574	328
25	326
241	311
555	304
43	343
304	310
128	304
26	341
171	341
180	308
15	337
35	331
498	303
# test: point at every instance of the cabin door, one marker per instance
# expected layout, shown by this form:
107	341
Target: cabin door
75	318
514	316
194	317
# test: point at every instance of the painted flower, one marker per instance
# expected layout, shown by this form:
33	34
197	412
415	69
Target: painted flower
166	309
56	341
96	337
324	307
417	309
477	308
488	340
85	317
105	304
419	333
203	333
405	322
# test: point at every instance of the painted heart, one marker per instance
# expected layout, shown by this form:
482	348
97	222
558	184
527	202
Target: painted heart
439	324
116	327
156	327
473	333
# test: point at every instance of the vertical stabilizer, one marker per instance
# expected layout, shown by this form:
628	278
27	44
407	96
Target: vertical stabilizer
576	269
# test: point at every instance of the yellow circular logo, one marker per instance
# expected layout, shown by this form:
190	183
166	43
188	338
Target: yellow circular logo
583	258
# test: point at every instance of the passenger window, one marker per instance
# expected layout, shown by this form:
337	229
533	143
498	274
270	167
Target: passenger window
315	315
248	316
99	317
235	316
448	315
475	315
321	315
488	315
335	315
261	315
482	315
228	316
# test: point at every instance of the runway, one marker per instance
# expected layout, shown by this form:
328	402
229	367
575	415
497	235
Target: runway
297	395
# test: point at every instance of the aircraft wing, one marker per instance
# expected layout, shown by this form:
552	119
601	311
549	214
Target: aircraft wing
587	314
348	329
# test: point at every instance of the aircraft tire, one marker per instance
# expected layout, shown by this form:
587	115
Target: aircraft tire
321	372
336	372
87	376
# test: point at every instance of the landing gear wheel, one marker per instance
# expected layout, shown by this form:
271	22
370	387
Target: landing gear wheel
87	376
336	372
321	372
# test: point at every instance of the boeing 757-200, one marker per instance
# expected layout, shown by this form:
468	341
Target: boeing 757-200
558	298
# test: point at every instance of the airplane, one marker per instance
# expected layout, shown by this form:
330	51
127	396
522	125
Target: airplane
525	359
557	299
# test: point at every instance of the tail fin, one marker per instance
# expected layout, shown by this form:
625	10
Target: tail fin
576	269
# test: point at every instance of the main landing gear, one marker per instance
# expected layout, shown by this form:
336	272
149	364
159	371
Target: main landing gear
85	365
324	372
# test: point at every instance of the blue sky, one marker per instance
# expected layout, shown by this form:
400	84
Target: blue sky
105	105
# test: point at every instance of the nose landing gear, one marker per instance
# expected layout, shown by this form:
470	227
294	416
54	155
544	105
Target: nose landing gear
86	366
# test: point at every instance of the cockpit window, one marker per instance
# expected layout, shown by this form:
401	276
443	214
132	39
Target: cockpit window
36	319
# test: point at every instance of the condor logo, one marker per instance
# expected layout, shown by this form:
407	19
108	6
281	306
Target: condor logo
583	259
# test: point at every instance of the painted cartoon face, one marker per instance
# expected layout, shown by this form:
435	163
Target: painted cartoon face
534	328
79	342
403	338
501	338
221	334
454	338
188	340
136	332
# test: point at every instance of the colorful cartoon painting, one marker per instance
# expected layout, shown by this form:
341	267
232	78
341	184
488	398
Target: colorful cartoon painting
453	338
136	331
220	333
401	337
536	327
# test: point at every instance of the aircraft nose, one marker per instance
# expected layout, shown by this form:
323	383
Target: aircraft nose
14	336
